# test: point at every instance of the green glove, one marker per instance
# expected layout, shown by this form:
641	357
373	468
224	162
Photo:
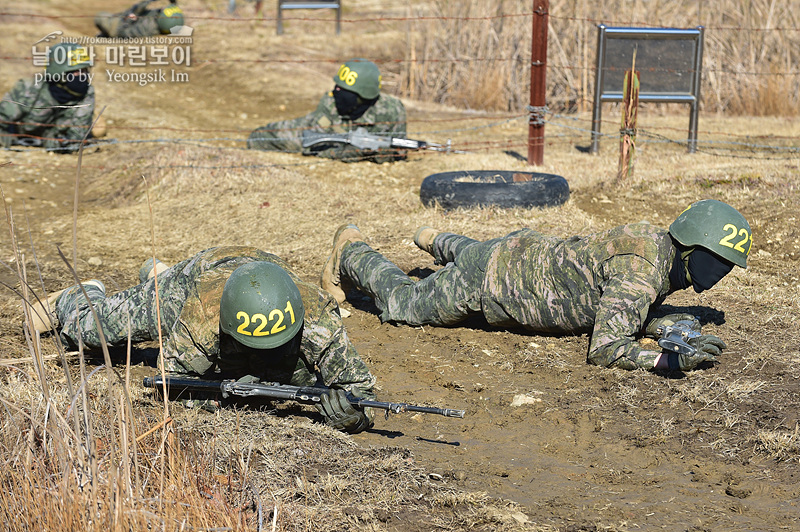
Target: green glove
340	414
708	344
670	319
708	348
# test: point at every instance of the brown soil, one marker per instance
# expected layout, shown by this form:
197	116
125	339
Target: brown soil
589	448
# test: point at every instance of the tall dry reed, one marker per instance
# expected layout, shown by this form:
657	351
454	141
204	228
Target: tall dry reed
477	54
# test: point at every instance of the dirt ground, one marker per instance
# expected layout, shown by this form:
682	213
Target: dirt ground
577	447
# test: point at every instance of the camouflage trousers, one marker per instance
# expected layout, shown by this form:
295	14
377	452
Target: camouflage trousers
130	313
445	297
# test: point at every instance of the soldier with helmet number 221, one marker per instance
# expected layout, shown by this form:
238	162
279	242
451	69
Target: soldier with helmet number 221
225	313
605	284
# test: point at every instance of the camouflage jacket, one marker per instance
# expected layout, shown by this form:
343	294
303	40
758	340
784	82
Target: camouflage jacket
193	341
29	109
386	117
604	283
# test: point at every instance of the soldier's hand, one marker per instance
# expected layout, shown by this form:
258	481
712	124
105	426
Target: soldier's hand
707	348
679	361
340	414
708	344
668	320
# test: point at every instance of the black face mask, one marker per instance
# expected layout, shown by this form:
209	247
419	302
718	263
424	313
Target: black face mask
706	269
349	105
71	88
696	267
263	363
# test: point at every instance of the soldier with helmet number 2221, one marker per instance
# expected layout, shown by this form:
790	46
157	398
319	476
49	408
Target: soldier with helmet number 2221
225	313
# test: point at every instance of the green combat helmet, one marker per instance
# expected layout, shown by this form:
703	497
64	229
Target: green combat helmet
717	227
67	57
169	17
261	306
360	76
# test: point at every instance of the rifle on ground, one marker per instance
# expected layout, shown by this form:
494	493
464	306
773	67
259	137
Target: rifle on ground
274	390
33	142
364	140
676	337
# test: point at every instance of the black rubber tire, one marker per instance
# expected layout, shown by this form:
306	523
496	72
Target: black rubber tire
483	188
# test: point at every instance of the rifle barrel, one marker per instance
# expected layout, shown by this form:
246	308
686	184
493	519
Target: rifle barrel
404	407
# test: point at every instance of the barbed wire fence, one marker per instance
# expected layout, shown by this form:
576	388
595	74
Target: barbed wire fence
565	123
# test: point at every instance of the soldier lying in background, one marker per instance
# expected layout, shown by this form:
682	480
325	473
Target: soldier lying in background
140	20
54	110
355	102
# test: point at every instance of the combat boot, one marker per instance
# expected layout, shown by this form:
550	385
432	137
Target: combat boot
424	236
330	280
43	312
147	271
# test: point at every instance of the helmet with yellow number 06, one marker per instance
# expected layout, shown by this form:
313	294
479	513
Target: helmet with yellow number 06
261	307
716	227
360	76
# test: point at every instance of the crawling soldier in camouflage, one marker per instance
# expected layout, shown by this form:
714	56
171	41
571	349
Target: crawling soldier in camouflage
228	312
605	283
354	102
53	110
140	21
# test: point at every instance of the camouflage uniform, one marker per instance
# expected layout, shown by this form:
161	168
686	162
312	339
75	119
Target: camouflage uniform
138	21
189	299
386	117
604	283
30	109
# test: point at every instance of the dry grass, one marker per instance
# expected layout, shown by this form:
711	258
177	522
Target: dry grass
476	54
781	445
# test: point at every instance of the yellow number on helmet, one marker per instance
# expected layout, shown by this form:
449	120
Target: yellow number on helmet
77	56
347	75
242	328
278	326
727	240
169	11
262	323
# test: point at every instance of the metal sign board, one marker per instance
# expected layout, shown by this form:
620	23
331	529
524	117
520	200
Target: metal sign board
669	62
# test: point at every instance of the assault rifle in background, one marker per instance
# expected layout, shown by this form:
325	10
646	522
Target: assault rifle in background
364	140
274	390
676	337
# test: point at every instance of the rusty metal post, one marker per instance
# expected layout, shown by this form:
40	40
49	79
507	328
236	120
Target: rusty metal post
538	82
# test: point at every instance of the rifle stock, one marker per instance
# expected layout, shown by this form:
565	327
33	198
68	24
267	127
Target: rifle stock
274	390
